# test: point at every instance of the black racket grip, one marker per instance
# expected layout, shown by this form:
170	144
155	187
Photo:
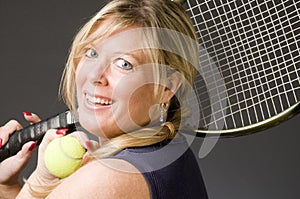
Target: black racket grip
36	132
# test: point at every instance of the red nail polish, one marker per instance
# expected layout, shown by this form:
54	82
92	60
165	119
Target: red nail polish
61	131
27	113
1	142
87	144
32	146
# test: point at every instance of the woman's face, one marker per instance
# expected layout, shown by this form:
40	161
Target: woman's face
115	84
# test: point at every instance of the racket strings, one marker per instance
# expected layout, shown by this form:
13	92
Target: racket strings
255	46
251	85
251	88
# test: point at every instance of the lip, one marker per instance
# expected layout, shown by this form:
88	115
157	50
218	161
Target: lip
100	104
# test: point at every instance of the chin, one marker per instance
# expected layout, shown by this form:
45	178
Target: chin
92	126
88	123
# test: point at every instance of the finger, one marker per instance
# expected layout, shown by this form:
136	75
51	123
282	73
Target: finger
86	158
26	151
31	117
83	138
92	145
8	129
51	135
13	165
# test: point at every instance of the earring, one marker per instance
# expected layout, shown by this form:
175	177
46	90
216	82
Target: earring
163	109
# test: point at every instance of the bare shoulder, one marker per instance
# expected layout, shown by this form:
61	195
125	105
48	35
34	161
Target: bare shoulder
108	178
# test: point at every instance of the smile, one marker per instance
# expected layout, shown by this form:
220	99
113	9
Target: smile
98	100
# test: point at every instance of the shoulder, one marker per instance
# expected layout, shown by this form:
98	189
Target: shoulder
107	178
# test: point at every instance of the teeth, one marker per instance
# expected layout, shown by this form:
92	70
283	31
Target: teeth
97	100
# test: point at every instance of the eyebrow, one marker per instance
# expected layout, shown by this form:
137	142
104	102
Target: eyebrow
132	54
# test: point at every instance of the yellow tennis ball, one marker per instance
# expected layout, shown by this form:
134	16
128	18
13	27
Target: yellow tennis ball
63	156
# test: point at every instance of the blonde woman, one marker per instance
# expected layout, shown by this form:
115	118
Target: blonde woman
128	75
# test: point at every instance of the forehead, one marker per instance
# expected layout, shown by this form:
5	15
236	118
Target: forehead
127	39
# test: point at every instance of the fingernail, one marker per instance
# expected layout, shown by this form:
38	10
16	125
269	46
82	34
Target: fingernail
27	113
87	144
1	142
61	131
32	146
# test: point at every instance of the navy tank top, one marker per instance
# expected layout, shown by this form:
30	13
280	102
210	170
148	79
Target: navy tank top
169	168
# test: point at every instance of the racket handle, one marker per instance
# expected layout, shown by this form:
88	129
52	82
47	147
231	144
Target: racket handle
36	132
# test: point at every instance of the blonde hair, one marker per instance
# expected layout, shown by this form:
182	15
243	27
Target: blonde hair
162	14
153	14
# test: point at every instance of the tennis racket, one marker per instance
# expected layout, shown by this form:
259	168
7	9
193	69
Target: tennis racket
249	68
248	76
36	132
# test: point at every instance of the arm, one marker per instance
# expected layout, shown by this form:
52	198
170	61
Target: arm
9	191
35	180
108	178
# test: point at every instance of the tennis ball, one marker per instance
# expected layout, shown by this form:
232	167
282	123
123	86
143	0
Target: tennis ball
63	156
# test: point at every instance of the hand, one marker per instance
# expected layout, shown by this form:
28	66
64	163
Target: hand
41	175
11	167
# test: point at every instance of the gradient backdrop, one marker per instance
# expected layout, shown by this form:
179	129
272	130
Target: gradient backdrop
35	37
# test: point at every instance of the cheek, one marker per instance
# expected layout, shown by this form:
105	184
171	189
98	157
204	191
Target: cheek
137	100
80	75
141	105
132	111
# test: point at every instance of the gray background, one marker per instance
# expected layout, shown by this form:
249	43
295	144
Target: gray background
34	41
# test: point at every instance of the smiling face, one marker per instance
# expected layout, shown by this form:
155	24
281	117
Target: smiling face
115	84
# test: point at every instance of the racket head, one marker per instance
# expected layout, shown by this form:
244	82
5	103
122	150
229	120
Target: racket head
249	58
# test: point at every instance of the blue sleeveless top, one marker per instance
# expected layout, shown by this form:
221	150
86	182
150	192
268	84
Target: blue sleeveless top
169	168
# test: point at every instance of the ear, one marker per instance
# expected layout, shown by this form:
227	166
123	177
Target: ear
174	82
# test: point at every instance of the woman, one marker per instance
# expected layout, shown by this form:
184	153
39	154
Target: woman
127	77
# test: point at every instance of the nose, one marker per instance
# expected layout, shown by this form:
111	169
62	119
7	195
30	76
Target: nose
98	74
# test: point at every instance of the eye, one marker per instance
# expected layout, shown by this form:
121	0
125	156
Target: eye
91	53
123	64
